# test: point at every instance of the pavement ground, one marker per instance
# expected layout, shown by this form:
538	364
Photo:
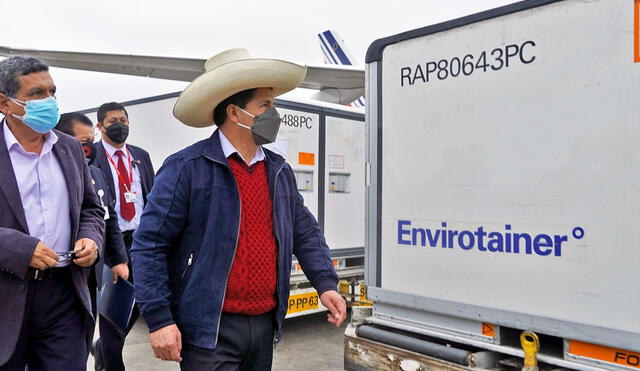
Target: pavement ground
309	343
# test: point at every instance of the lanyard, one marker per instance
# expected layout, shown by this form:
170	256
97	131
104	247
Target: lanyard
120	176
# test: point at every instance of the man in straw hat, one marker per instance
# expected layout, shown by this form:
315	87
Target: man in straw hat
212	254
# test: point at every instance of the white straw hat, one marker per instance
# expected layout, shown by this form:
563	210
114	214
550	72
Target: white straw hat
230	72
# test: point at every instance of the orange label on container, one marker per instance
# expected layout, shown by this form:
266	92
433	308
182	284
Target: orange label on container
488	330
636	31
602	353
305	158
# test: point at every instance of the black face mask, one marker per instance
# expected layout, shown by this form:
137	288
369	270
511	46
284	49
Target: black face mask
118	132
89	151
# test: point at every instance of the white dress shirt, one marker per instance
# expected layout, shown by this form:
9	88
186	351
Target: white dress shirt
228	149
126	225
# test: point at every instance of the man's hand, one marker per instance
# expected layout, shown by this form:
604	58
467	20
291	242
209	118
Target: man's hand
43	257
86	252
120	270
336	305
167	343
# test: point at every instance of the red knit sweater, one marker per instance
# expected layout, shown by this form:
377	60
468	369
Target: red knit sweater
251	288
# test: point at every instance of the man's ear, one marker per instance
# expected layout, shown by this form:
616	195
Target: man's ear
232	113
5	108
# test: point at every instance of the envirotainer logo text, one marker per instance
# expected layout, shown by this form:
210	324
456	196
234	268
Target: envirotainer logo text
481	239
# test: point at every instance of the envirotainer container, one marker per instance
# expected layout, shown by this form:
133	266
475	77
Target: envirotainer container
504	189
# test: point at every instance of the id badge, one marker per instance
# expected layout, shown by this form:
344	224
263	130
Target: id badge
130	197
106	212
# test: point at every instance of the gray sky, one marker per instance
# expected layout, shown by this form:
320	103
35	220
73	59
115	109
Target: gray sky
283	29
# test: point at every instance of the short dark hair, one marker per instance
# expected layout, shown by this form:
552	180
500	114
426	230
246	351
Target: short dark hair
239	99
111	106
13	67
67	120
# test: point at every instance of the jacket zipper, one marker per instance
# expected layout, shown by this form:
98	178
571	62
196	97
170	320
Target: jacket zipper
233	257
182	285
184	272
275	185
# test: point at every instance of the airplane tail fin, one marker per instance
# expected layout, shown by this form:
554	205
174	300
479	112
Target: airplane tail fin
335	53
333	48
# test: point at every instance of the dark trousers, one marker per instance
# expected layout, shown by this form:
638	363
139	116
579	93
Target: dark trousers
244	343
53	335
109	346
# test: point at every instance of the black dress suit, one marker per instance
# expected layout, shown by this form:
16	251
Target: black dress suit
114	251
141	161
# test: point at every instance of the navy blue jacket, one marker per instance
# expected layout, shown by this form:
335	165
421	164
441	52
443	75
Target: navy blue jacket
185	245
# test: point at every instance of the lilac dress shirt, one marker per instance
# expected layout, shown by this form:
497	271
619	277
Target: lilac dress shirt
43	192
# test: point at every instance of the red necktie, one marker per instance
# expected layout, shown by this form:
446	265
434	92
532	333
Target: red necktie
127	209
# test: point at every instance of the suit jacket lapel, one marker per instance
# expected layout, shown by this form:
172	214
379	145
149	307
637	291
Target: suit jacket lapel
8	183
103	163
71	176
137	161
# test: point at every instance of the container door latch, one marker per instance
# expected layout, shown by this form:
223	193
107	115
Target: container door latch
531	345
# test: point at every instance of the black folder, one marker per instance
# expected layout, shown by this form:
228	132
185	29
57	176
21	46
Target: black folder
116	300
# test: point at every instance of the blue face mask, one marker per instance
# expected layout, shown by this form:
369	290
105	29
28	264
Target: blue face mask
41	115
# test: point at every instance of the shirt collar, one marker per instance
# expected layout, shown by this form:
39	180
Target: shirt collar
228	149
12	143
111	150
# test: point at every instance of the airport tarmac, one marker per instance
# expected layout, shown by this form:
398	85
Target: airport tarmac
308	343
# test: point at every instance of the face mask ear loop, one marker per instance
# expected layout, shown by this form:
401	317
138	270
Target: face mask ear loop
19	103
246	112
243	125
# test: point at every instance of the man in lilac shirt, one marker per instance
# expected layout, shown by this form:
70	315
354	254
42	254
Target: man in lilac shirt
44	207
51	226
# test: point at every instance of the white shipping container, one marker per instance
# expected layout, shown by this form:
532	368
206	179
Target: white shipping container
505	156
